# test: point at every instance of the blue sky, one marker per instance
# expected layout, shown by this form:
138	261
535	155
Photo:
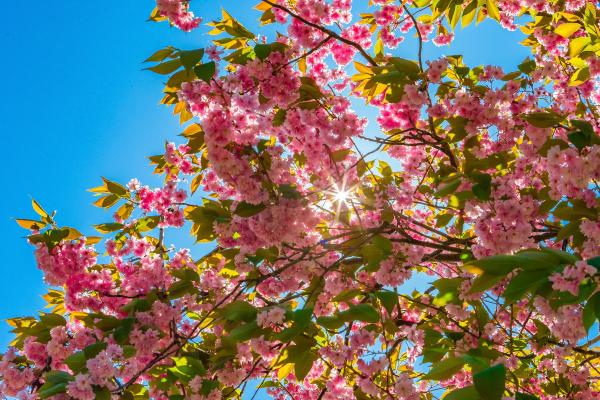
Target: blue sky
77	106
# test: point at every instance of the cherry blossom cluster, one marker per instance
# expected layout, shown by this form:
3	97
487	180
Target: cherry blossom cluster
178	13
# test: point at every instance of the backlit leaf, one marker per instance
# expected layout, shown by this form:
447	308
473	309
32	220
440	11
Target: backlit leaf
490	382
205	71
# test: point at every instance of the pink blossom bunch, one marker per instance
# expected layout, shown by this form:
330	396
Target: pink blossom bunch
178	13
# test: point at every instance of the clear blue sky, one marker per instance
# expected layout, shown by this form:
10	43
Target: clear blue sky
76	106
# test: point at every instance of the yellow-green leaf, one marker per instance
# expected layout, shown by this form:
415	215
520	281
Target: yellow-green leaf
577	45
445	368
167	67
567	29
38	209
469	13
115	188
160	55
30	224
492	10
109	227
580	76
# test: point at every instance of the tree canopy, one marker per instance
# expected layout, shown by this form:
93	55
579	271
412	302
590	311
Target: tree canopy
482	182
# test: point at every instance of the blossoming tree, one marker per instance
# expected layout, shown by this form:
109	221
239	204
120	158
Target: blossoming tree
485	181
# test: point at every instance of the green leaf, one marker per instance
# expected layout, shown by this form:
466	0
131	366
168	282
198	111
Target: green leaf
147	223
106	201
443	219
392	77
302	317
239	311
579	139
76	361
503	264
129	351
567	29
360	312
56	383
268	384
445	368
577	45
303	365
166	67
454	14
181	288
205	71
383	243
309	90
245	332
30	224
160	55
262	51
448	188
388	299
490	382
208	386
482	189
469	13
543	119
589	314
373	255
246	210
51	320
524	282
348	294
289	191
231	26
54	377
594	262
477	363
93	350
466	393
485	281
409	67
525	396
492	9
495	265
39	210
527	66
580	76
279	117
568	230
187	368
569	213
102	394
330	322
49	390
592	308
512	75
563	257
121	333
447	290
109	227
582	126
115	188
189	58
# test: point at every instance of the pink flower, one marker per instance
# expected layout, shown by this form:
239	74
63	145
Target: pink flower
81	388
271	317
177	11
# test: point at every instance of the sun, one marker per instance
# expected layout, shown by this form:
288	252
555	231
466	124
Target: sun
341	196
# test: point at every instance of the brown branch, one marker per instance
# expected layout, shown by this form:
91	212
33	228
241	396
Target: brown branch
325	30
